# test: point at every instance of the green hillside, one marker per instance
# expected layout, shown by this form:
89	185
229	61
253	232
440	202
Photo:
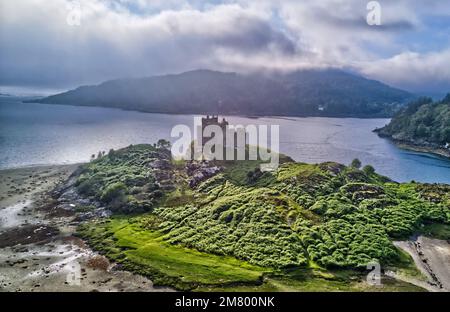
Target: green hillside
304	226
301	93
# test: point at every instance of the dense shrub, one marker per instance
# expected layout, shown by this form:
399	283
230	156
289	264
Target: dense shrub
328	214
114	192
124	180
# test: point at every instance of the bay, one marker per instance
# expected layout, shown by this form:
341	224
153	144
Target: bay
40	134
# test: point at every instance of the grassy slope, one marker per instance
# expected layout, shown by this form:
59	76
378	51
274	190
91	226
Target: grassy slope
144	251
308	227
126	241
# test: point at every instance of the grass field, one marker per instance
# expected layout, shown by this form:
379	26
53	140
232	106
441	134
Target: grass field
144	251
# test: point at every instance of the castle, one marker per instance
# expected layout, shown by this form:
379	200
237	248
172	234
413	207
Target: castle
213	121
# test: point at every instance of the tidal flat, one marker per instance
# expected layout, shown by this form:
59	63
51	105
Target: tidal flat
38	249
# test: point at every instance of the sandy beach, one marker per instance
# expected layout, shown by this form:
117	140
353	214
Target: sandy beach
38	251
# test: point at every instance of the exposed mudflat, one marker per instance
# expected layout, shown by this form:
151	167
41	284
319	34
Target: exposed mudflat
38	251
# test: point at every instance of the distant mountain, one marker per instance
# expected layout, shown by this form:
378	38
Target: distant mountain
422	124
301	93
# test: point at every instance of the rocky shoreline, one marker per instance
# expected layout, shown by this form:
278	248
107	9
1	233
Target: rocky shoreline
423	149
416	146
432	257
39	250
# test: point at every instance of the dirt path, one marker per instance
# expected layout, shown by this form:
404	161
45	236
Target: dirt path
38	251
432	257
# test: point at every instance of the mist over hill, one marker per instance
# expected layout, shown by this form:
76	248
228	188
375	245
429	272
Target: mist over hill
331	93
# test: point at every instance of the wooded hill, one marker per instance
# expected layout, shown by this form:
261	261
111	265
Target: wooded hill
302	93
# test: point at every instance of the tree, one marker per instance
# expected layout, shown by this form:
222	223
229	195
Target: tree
113	192
369	170
356	163
164	144
446	135
422	131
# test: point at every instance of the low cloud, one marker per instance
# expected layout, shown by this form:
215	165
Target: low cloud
124	38
413	71
112	43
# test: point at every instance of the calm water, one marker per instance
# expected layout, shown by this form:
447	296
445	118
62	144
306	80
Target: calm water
32	134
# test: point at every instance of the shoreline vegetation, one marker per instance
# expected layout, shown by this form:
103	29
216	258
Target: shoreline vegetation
235	230
422	126
442	152
287	116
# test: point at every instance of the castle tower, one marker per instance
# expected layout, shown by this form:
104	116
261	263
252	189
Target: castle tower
213	121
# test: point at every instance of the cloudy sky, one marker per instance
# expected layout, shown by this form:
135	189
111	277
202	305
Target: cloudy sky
42	46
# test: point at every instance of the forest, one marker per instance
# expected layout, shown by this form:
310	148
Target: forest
422	122
332	93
